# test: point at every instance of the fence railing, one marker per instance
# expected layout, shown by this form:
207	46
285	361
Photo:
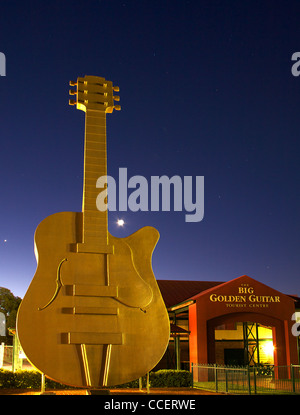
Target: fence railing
262	379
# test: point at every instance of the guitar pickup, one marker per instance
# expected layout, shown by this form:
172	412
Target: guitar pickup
95	310
87	290
91	248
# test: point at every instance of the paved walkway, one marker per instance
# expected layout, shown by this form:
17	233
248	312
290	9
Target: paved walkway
153	391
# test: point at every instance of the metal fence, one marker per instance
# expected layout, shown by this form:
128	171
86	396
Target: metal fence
262	379
6	356
13	358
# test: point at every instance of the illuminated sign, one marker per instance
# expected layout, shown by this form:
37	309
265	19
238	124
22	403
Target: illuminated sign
245	297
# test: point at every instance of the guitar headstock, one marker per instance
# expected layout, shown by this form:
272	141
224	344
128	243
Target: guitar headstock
94	93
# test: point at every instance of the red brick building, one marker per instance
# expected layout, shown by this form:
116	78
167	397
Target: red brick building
241	321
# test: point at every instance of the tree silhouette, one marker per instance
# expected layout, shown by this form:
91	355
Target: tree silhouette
9	305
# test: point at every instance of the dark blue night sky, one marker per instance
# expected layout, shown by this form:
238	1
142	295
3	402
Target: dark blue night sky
206	90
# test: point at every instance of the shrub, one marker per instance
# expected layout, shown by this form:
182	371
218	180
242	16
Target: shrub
163	379
7	379
30	379
26	379
170	378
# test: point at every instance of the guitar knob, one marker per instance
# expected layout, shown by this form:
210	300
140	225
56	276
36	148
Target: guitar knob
116	88
73	83
71	92
116	98
117	107
72	102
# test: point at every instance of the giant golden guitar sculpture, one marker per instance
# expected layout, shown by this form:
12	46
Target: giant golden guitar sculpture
93	315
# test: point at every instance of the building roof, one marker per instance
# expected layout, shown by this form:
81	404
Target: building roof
175	291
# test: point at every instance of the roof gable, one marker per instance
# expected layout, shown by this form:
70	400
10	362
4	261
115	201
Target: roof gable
245	284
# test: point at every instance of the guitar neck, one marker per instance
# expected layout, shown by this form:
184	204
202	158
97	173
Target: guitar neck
94	97
95	230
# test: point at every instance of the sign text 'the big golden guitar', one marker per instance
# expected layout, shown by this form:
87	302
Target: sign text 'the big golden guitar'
93	314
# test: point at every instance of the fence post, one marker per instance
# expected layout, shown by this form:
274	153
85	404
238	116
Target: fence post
249	380
192	370
148	382
226	380
293	379
1	354
254	378
216	377
42	383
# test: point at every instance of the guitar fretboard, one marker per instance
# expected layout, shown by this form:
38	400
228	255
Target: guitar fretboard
95	165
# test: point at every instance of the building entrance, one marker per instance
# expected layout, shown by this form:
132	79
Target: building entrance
244	343
234	357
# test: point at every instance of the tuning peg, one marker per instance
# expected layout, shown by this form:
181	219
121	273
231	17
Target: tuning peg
116	88
116	98
117	107
72	102
71	92
73	83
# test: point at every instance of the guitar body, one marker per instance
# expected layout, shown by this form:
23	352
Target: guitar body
93	315
92	319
